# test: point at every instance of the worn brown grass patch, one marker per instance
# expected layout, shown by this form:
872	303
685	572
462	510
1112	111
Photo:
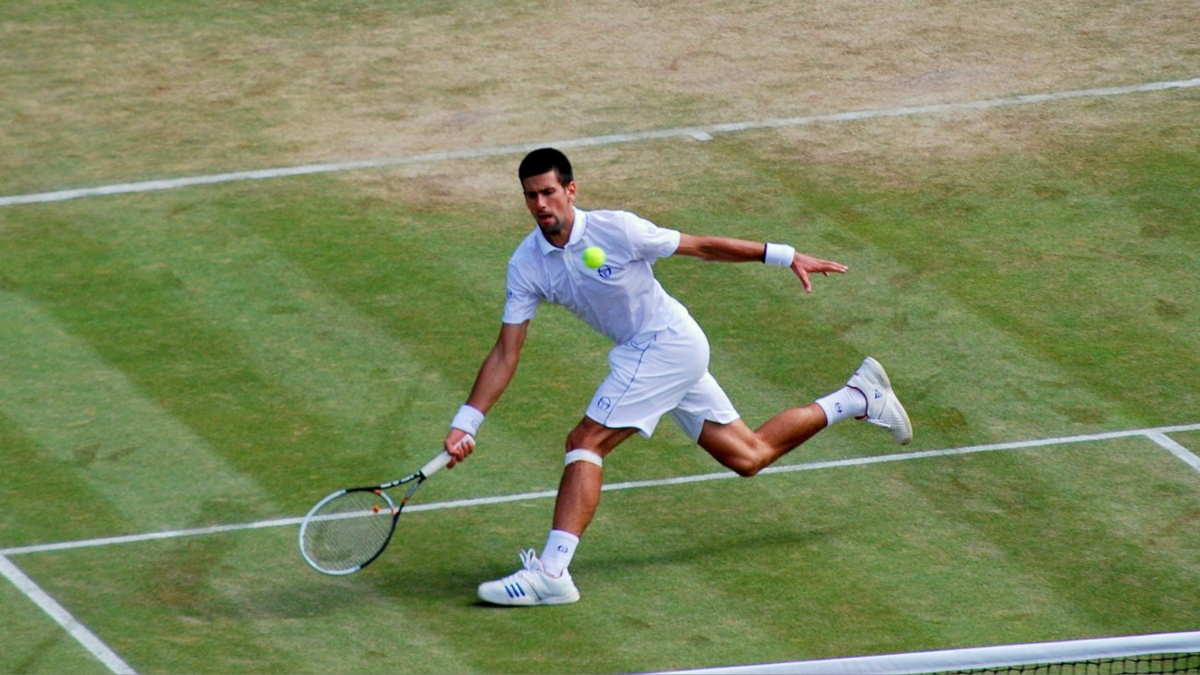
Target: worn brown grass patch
108	95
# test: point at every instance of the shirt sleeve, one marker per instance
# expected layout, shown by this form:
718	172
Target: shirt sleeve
521	297
649	241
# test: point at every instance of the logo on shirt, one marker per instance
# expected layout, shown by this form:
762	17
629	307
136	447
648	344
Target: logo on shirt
605	271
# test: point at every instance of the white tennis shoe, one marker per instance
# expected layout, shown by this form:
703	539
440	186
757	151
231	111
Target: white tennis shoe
530	586
883	408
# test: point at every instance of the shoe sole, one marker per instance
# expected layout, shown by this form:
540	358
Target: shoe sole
528	600
554	601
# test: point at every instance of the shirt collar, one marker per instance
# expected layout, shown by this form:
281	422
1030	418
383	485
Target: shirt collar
576	234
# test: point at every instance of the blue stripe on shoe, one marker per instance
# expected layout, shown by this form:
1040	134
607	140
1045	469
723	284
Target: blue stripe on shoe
515	590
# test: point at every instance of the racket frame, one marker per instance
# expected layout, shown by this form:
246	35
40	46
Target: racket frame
434	465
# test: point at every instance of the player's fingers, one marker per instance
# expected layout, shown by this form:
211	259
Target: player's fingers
458	445
804	280
465	445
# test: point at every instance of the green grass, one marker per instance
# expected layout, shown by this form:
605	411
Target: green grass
228	354
894	553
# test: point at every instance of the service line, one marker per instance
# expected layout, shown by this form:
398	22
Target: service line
1158	435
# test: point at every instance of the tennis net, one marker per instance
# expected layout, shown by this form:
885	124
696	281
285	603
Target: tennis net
1161	653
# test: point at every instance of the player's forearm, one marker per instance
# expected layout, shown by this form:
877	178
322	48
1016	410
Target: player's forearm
499	367
720	249
494	376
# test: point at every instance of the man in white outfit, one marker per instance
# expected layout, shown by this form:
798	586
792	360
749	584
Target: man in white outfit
659	361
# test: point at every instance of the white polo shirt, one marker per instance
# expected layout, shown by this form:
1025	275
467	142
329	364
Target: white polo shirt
621	299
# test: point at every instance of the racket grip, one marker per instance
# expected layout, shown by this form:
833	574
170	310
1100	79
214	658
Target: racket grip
436	464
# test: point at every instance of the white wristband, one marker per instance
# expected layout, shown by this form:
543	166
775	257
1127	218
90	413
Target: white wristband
467	419
779	254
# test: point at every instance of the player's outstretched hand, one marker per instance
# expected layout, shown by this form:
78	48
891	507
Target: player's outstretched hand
804	265
459	445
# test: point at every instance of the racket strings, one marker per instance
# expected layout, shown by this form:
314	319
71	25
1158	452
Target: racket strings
349	530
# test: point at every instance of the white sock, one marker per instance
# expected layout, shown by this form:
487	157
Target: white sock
560	548
844	403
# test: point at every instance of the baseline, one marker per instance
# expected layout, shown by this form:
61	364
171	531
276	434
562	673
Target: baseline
699	133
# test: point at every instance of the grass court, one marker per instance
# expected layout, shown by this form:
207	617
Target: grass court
205	359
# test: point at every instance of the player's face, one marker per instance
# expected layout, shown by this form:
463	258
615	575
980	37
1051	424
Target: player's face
551	204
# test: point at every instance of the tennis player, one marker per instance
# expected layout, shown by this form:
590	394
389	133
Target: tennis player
658	363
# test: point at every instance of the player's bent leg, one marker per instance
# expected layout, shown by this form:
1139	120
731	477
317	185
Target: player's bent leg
579	490
549	582
735	446
747	452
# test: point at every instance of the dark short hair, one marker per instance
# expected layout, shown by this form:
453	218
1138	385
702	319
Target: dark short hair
542	160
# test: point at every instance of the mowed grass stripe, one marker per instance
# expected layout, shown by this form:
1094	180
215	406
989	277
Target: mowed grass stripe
693	558
1097	523
83	412
335	364
44	497
1086	270
876	565
132	321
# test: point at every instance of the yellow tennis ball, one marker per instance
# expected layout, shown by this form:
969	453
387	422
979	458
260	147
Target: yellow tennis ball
593	256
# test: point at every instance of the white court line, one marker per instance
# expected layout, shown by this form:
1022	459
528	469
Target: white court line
1176	449
50	606
1158	435
700	133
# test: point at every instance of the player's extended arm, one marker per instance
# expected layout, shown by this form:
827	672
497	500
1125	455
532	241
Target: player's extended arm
726	249
494	376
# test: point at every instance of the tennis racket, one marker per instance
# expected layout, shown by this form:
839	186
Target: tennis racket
348	529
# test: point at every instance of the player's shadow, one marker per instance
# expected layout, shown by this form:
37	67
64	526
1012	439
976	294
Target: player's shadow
410	575
457	583
707	545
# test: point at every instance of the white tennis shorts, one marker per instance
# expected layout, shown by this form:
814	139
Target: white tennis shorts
666	374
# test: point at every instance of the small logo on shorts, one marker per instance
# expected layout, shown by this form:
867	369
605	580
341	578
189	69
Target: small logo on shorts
605	272
604	403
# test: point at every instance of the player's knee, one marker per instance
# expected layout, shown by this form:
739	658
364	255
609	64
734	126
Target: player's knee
579	438
746	467
745	460
743	464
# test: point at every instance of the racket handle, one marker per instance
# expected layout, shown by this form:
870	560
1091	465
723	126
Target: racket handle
436	464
